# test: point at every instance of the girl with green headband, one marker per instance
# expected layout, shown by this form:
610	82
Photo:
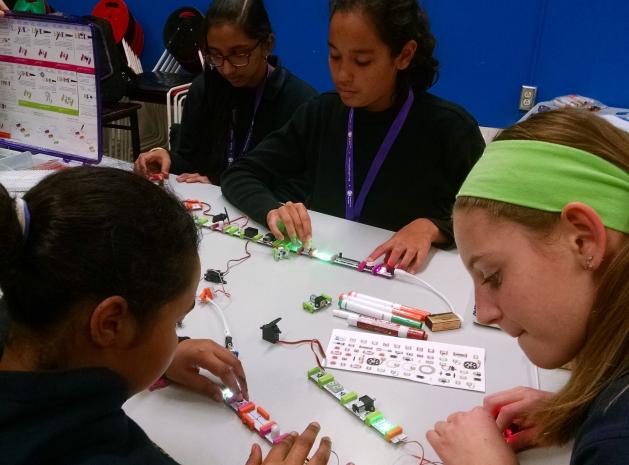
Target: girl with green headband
542	225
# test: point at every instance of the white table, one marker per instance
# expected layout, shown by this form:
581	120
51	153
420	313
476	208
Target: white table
195	430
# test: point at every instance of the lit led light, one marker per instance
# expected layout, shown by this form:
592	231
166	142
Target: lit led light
326	257
288	245
227	394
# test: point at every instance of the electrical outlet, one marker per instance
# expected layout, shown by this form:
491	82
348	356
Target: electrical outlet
527	97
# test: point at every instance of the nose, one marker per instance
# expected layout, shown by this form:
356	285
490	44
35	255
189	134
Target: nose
228	68
342	71
487	312
345	76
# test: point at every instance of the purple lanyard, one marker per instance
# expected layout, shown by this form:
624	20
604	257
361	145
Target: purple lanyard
354	209
231	144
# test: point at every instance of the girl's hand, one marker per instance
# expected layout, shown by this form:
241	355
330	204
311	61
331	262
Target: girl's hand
471	438
3	8
294	450
151	162
194	354
296	222
517	407
193	177
407	248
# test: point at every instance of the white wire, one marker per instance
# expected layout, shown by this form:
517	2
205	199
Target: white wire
222	315
430	288
536	376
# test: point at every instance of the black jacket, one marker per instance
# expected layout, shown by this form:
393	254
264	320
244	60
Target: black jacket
70	418
433	153
212	105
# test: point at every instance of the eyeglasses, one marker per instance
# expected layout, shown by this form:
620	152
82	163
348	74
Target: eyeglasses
237	60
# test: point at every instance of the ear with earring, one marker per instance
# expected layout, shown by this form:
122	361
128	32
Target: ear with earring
588	263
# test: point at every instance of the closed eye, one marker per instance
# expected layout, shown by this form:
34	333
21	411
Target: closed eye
493	280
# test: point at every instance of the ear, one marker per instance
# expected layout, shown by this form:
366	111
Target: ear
268	45
403	60
112	324
587	234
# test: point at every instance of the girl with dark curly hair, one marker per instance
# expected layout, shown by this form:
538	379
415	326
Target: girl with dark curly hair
380	150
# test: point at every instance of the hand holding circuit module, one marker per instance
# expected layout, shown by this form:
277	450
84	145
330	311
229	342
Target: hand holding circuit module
156	160
291	219
514	411
471	438
193	354
407	249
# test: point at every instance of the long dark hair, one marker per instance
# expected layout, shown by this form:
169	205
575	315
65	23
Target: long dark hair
397	22
252	18
93	233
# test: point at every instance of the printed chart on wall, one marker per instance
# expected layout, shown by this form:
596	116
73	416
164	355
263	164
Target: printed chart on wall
48	88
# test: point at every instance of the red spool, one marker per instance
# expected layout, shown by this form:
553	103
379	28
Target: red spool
123	24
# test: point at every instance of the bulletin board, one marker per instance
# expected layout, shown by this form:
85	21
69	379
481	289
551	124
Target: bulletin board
49	87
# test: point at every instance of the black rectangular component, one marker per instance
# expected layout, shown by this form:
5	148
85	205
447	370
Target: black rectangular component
214	276
250	232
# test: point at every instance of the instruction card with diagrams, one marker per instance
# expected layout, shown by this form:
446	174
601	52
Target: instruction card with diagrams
455	366
48	87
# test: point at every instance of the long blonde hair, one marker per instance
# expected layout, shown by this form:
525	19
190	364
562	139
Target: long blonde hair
604	356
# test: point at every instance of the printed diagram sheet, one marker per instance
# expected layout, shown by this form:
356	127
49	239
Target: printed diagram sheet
48	98
436	363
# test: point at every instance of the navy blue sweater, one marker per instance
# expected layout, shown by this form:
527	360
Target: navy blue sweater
70	418
603	439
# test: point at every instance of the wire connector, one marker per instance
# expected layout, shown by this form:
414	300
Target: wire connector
229	345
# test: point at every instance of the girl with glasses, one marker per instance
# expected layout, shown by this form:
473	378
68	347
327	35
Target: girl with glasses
243	95
380	150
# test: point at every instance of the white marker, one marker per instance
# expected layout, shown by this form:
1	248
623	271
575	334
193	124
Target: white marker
380	326
396	309
363	309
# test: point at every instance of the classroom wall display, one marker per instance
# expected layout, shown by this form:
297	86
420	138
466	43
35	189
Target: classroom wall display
49	87
486	49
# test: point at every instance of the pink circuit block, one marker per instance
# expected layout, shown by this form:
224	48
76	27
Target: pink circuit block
280	438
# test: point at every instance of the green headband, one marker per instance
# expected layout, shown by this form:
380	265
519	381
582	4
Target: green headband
548	176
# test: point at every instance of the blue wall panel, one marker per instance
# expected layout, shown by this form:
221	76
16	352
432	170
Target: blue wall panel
585	50
301	27
487	49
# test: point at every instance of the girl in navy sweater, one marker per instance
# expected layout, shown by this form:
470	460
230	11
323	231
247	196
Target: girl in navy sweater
89	313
